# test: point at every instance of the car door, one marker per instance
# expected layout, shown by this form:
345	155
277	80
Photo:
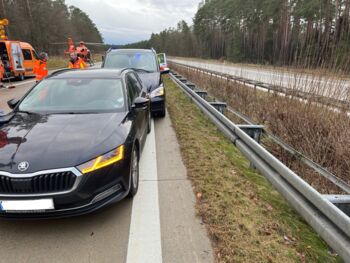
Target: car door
28	61
17	57
140	92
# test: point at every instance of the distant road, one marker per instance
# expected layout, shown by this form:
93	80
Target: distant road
320	85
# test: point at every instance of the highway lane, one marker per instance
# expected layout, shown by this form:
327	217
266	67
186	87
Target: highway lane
129	231
15	93
317	84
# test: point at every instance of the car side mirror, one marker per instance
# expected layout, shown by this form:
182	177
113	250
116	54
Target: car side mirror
12	103
140	103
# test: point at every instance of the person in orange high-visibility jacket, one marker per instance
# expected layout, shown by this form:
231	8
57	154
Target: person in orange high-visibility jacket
2	73
40	67
76	62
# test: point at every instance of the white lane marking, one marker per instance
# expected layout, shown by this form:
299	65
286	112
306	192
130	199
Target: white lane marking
145	236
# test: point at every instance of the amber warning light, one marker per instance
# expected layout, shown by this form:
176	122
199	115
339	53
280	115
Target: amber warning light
3	23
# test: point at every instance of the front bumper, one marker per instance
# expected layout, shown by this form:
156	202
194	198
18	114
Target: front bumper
94	191
158	104
64	213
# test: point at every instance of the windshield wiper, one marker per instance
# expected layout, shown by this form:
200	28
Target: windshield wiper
74	112
142	70
27	112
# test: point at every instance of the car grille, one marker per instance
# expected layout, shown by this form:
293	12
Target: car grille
40	184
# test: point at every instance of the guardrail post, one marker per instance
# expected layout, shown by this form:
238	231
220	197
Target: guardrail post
220	106
191	86
183	80
202	93
254	131
341	201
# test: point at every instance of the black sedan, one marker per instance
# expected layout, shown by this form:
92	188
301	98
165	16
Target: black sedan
145	62
72	144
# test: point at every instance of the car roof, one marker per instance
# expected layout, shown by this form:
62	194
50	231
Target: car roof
88	73
131	50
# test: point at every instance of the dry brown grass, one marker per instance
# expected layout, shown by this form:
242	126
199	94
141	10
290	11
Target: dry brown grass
316	131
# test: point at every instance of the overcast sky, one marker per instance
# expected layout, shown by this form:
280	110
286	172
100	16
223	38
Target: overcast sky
128	21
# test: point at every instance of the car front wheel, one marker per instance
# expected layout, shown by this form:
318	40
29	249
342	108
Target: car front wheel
134	173
162	113
20	77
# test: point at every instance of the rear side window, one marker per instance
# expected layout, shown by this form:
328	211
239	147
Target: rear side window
27	54
134	87
131	59
161	58
136	84
131	90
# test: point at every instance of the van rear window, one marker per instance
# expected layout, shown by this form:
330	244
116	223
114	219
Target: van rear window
27	54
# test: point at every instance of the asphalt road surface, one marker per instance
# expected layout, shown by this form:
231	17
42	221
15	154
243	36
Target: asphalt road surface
320	85
158	225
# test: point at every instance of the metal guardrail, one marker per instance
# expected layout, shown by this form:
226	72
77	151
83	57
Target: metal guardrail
296	154
328	220
323	100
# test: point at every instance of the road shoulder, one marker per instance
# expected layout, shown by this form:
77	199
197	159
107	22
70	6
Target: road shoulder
184	238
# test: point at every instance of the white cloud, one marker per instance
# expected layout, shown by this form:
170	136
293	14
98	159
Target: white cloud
122	21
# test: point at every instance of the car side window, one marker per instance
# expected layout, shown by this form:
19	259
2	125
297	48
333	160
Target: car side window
130	89
27	55
35	54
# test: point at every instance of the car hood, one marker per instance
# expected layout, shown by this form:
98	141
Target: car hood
150	80
58	141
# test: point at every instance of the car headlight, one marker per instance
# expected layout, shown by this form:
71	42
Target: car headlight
157	92
103	160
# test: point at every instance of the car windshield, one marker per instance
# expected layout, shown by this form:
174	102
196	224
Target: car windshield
137	60
75	96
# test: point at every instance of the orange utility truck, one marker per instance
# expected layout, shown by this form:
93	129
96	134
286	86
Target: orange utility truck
18	57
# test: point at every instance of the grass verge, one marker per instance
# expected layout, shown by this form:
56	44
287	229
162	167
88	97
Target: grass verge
247	220
57	62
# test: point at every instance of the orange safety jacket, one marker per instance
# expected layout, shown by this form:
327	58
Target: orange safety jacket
2	71
78	64
82	50
40	70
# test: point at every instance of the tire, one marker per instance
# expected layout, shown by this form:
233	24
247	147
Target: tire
20	77
162	113
149	127
134	173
